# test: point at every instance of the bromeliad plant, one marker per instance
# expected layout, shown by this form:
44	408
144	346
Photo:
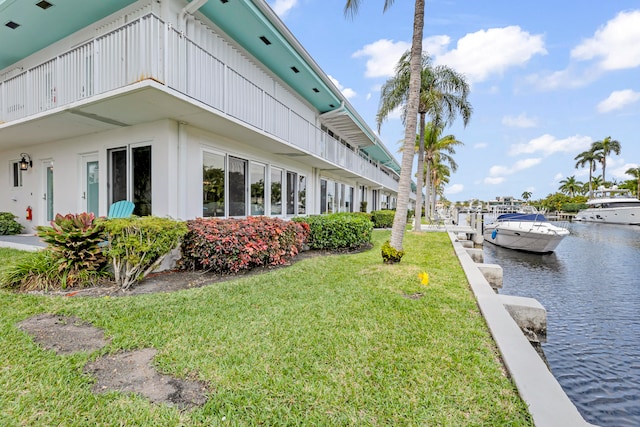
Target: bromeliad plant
73	241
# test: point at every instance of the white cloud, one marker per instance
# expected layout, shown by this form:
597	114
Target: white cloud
499	170
493	180
347	92
383	55
616	45
480	145
454	189
618	171
558	177
618	100
521	121
563	79
487	52
281	7
498	173
549	144
435	45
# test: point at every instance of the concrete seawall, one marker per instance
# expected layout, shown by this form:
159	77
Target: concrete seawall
548	404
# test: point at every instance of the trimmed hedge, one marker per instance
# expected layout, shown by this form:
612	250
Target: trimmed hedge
383	218
232	245
338	230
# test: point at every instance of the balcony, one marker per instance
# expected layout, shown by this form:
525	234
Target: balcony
148	52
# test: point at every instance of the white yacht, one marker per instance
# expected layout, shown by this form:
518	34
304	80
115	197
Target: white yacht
525	230
611	206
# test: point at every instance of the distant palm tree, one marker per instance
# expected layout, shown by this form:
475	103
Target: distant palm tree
635	172
411	124
592	157
598	181
606	147
570	186
526	196
443	95
437	150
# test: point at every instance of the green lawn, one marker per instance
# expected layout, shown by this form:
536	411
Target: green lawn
327	341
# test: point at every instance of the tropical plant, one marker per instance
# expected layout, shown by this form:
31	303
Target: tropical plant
136	246
570	186
590	157
443	95
8	224
605	147
635	172
526	195
404	186
390	255
74	241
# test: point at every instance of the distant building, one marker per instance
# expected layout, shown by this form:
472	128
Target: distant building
504	204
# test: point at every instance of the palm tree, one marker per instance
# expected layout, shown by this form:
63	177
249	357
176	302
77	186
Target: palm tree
570	186
592	157
526	195
437	150
598	181
404	186
443	94
606	147
440	174
635	172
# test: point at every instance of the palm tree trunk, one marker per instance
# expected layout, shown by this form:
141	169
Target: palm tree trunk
408	150
427	199
417	225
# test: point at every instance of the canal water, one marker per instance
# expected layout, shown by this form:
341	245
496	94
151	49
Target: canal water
590	287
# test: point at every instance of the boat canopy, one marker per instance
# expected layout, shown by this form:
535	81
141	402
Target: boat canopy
522	217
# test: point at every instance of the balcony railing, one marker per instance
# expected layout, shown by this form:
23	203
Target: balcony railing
150	48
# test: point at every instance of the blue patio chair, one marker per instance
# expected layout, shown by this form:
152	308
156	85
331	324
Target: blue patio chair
121	209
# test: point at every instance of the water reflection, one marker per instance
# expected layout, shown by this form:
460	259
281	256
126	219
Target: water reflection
590	287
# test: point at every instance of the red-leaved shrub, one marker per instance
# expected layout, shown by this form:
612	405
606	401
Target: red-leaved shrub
232	245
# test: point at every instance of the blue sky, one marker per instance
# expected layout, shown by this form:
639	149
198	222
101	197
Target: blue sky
547	79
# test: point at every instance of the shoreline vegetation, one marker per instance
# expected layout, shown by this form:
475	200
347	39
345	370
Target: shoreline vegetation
328	340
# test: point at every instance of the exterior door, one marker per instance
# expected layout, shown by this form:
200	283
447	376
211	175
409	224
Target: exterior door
90	184
47	194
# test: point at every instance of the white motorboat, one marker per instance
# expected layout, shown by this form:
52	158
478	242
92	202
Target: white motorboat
526	230
611	206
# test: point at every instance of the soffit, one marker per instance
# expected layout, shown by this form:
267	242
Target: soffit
38	28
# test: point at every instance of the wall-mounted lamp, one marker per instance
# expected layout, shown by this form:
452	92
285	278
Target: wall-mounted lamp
25	162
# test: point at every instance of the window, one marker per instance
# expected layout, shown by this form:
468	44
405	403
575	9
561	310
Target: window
276	191
323	196
16	174
257	189
349	199
130	177
291	192
302	195
327	196
212	185
237	186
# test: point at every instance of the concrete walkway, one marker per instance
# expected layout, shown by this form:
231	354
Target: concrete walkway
548	404
25	242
